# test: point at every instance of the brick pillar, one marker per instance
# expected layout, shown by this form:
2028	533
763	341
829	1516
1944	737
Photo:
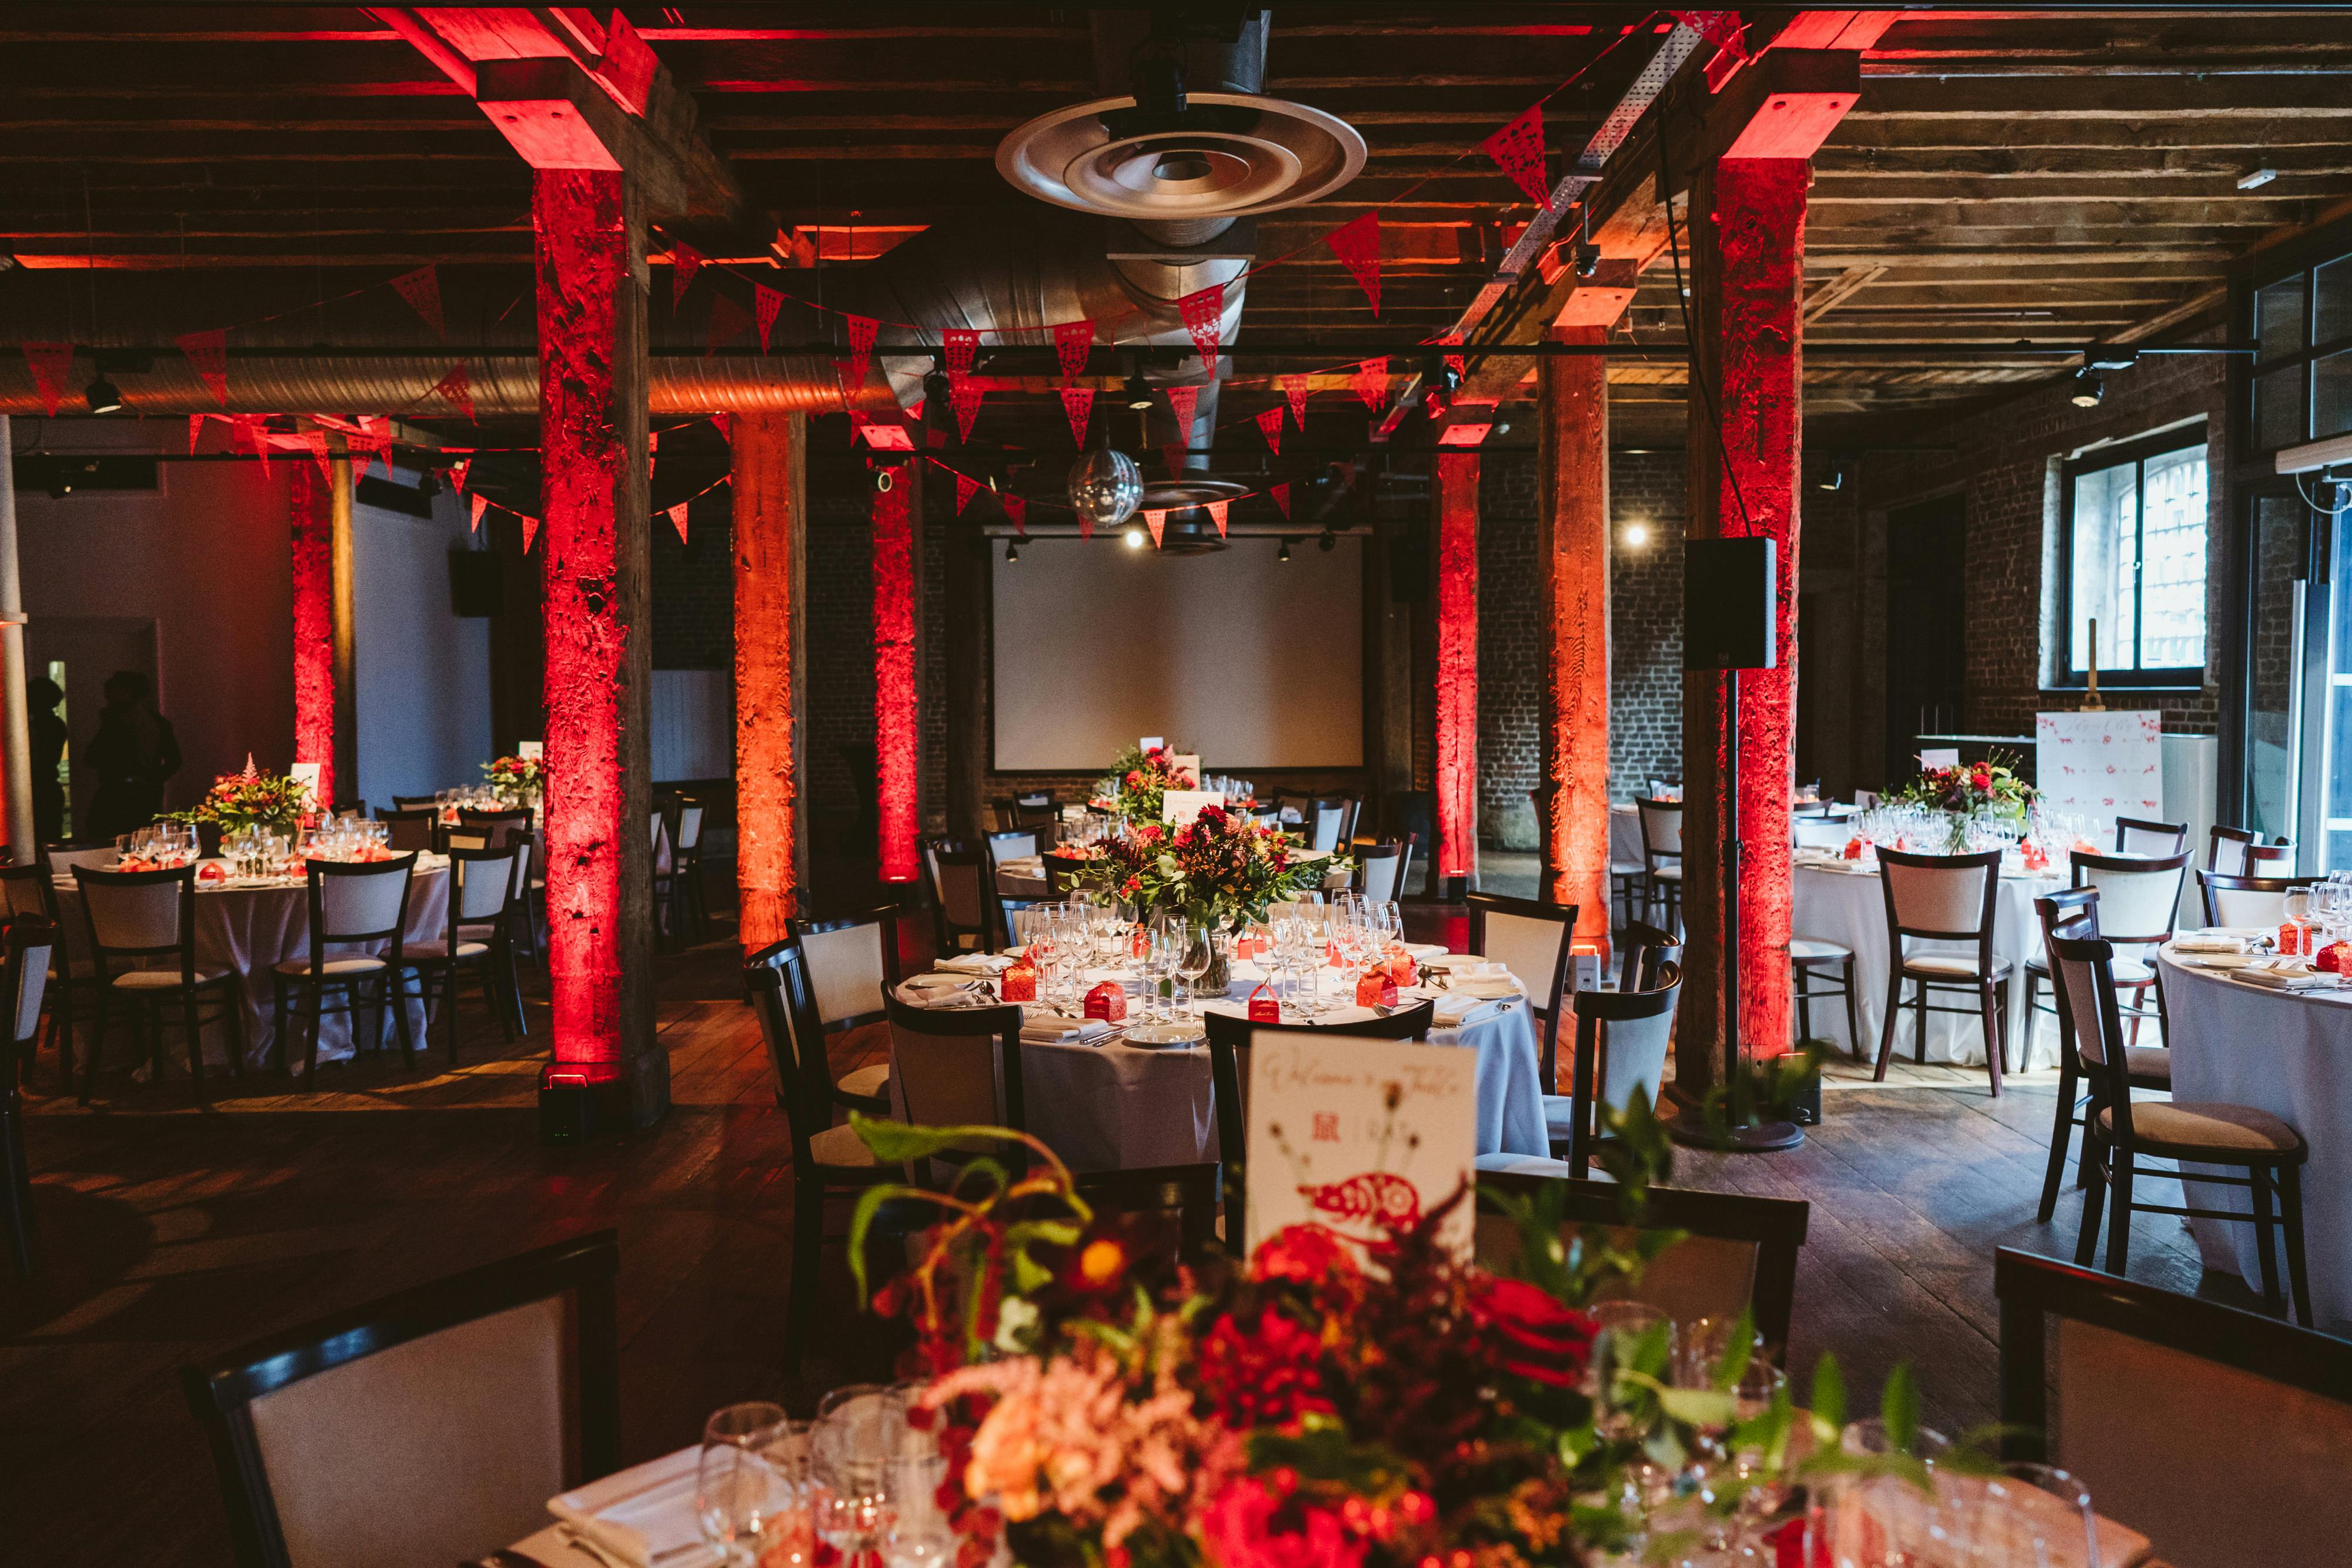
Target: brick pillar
897	517
770	488
1572	562
312	529
1457	665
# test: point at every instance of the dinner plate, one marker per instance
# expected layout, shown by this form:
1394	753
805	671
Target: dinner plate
1152	1035
2215	960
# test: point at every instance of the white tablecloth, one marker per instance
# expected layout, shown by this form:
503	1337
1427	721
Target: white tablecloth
2291	1055
1848	907
1624	834
251	929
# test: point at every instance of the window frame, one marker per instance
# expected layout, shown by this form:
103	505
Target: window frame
2304	361
2138	453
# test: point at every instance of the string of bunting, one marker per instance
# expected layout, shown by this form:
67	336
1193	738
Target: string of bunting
1016	507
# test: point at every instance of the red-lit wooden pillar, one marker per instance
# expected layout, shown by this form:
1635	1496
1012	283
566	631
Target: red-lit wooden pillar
312	527
1456	490
594	557
770	495
897	752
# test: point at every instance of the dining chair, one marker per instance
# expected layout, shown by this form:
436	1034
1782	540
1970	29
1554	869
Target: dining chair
1381	868
2218	1433
1005	812
1662	786
827	1161
481	896
1229	1075
1642	953
1330	824
1620	1051
149	915
1266	816
852	962
669	928
2137	836
958	1067
497	828
2225	849
31	890
64	858
1017	843
1625	876
1810	959
686	874
1532	939
2139	905
2269	860
32	947
356	903
1661	859
2122	1133
411	829
961	895
429	1426
1944	898
2257	902
415	802
1820	831
522	926
1733	1252
1038	813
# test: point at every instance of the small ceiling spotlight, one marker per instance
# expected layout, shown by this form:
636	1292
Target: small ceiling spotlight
1012	551
2255	179
1284	553
1832	477
103	395
1636	535
1327	541
2089	389
1134	539
1588	260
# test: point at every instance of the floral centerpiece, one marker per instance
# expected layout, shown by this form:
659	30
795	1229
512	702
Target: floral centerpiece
1989	792
1218	871
274	802
517	781
1139	782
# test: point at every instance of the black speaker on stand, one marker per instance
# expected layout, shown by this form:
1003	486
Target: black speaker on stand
1729	590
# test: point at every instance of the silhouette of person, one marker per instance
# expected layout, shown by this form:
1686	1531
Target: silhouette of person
48	733
133	752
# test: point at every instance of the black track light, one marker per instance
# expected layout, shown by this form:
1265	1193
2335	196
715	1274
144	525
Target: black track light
1138	392
2089	389
1588	260
1284	553
1327	542
1832	477
1012	551
103	395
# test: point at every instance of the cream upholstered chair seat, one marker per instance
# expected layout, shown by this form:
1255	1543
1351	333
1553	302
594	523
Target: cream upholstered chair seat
357	964
2160	1125
1668	873
868	1080
1813	950
424	952
1961	964
162	979
843	1149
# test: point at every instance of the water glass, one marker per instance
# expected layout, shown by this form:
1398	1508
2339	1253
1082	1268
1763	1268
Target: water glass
737	1491
2029	1514
1193	962
859	1430
1618	1328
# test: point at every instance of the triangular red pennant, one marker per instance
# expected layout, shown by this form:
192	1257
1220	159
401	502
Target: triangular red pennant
726	425
316	440
1371	383
458	474
1281	494
966	488
1156	519
1296	389
482	504
685	261
861	347
963	397
1016	512
727	323
678	520
1078	404
208	355
1085	526
256	430
1217	510
1518	149
455	390
422	289
530	531
1269	424
1174	458
1357	244
1204	318
963	344
196	428
364	449
1182	399
1072	339
52	365
652	450
1455	362
765	303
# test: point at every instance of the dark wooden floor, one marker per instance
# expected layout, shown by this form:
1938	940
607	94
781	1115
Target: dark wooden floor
172	1233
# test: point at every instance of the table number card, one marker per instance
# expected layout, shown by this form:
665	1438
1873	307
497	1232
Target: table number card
530	749
1357	1136
1187	763
2101	765
307	775
1177	807
1936	757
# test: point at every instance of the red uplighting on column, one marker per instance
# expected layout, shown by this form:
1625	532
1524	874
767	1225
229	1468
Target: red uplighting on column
895	735
1575	405
1457	664
312	531
768	586
583	266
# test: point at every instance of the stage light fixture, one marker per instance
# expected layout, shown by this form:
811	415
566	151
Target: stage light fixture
1138	392
1832	477
2089	389
1284	553
104	397
1588	260
1011	552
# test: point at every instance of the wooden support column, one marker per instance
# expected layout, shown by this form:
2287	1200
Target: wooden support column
310	530
770	494
18	830
594	557
1456	494
342	776
897	751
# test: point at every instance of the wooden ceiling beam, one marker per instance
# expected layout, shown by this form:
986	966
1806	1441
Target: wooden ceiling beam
2139	97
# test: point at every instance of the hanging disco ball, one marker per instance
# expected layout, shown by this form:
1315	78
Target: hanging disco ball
1105	486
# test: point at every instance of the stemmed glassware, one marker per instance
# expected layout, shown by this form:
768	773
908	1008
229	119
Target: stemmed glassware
1193	962
859	1430
738	1488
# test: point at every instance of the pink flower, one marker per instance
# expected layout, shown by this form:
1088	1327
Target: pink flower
1238	1528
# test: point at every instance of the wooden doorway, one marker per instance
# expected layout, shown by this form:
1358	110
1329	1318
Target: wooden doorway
1926	661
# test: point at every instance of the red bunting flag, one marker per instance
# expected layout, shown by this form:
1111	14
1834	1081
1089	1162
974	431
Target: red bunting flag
1518	150
52	366
1357	244
458	474
422	289
727	322
685	261
725	426
256	430
530	531
482	504
653	450
316	440
1078	404
1455	362
963	344
966	488
455	390
1281	494
1016	512
1174	458
1295	388
862	330
1217	510
196	428
1182	399
1370	382
1072	340
765	303
963	396
365	449
1156	519
1085	526
1204	318
678	520
1269	424
208	354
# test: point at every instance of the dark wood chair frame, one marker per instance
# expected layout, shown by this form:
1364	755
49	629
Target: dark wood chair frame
61	999
940	853
494	966
1594	1008
2178	830
1992	996
1399	851
1001	1024
27	934
2218	835
2209	882
1776	1227
1643	951
2082	870
2033	1288
221	1390
1803	974
308	993
2078	1096
427	817
146	1006
1544	991
1661	894
885	919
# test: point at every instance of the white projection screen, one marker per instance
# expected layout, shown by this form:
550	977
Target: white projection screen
1250	662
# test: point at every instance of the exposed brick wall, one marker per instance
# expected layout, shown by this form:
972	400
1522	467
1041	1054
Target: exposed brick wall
840	630
1510	650
1646	620
693	587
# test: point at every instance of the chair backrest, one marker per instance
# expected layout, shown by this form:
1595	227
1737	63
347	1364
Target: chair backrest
2218	1434
2247	900
28	890
2139	897
957	1066
1941	896
959	893
851	963
1661	830
521	867
1660	785
2225	849
32	943
1621	1048
690	812
1017	844
62	862
481	884
1377	871
424	1427
776	979
467	836
2056	910
1645	951
415	802
138	913
2269	860
358	901
1327	828
657	828
497	829
2082	966
2137	836
411	828
1737	1252
1529	937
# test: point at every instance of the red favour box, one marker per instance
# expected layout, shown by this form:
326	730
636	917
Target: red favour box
1263	1008
1377	989
1403	969
1019	983
2335	959
2291	939
1107	1002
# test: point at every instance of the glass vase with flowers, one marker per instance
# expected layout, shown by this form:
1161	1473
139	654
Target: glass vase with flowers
1975	800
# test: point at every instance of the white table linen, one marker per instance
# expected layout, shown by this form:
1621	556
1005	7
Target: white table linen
2289	1053
1626	834
252	929
1843	901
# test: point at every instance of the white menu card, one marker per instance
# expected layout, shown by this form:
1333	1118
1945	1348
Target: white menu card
1181	806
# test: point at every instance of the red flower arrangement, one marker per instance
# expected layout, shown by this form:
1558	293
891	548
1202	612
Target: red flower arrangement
1219	869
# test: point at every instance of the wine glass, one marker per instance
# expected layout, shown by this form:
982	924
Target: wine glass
737	1488
859	1429
1193	962
2027	1515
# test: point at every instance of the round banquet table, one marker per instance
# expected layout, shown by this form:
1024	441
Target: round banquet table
1843	901
252	928
1115	1107
2289	1053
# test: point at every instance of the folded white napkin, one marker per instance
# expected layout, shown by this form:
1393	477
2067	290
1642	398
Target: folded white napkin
1457	1011
2215	941
641	1512
2287	976
1484	979
976	964
1427	949
1045	1028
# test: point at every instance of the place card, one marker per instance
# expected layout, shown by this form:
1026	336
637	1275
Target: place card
1357	1136
307	774
530	749
1177	807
